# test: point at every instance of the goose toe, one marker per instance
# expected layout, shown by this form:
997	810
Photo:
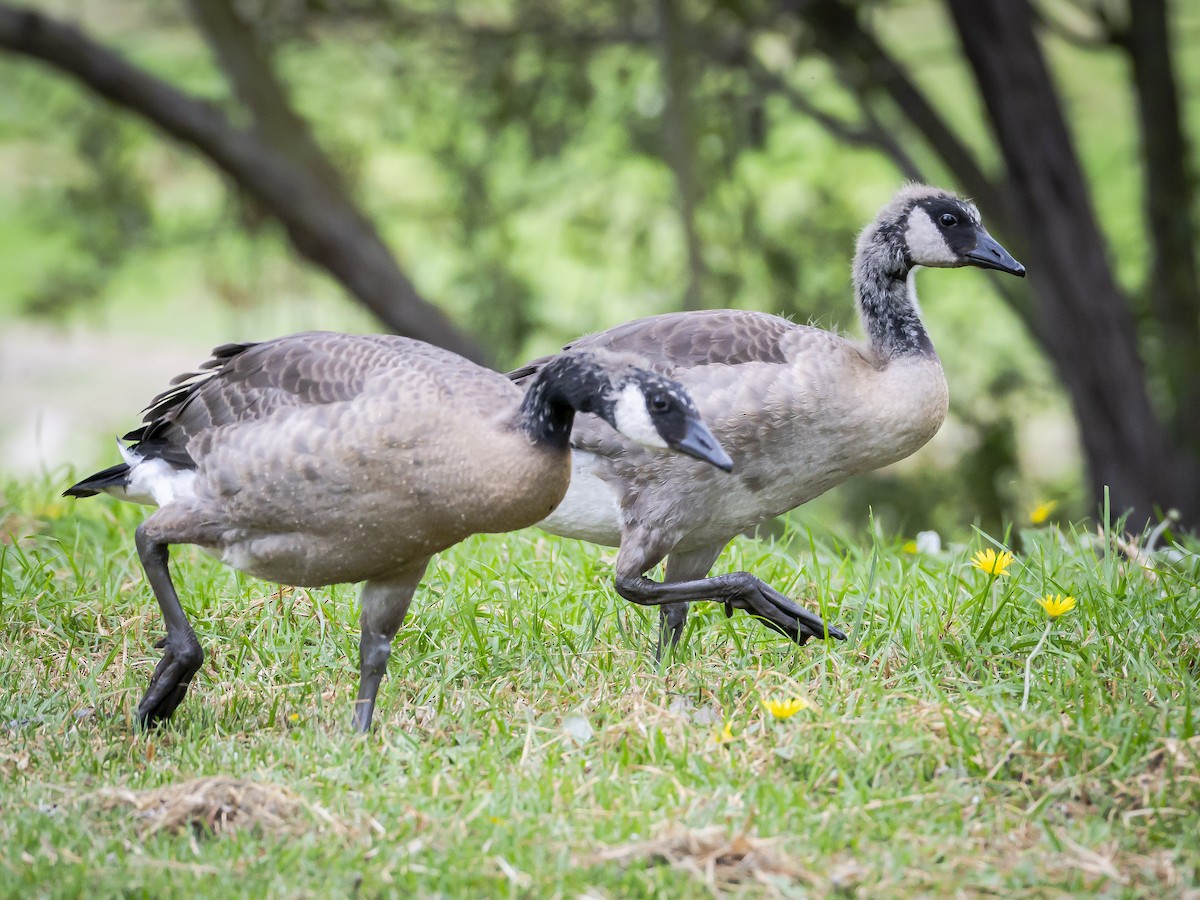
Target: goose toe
169	683
780	613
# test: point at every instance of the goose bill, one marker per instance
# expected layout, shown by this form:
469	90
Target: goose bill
699	442
988	254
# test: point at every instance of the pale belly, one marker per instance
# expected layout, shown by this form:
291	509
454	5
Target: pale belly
698	514
591	509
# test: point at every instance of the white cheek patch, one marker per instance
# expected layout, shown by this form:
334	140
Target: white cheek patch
633	419
926	245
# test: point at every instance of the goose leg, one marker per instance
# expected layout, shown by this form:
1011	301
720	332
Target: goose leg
182	655
673	616
737	590
384	605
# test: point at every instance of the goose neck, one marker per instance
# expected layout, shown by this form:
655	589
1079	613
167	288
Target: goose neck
887	303
563	386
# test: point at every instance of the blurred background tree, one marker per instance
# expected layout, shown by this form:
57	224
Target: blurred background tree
542	169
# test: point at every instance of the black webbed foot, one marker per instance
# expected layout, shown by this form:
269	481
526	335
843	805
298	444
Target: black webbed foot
776	610
170	681
739	590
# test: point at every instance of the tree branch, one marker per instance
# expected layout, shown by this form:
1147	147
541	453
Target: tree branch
871	133
866	65
249	71
331	235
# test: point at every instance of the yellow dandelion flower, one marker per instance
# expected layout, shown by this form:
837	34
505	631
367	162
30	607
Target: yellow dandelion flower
909	547
724	736
1056	605
294	717
785	709
1040	513
992	562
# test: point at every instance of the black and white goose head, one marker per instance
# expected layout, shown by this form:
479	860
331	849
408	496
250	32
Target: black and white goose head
648	408
926	226
657	412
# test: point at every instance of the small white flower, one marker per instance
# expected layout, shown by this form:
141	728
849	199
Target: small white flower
929	542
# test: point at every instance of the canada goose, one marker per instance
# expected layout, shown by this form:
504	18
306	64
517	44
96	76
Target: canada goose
323	458
799	409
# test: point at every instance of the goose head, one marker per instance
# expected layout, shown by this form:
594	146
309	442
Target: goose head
657	412
926	226
648	408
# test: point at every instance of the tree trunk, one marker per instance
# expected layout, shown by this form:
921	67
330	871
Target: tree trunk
1170	192
679	138
1082	318
324	228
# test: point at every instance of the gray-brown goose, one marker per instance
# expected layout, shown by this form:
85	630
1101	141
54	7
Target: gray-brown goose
799	409
323	458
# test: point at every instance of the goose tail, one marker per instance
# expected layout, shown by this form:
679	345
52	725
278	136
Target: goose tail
113	477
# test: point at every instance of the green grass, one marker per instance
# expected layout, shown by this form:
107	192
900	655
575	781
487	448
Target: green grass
914	772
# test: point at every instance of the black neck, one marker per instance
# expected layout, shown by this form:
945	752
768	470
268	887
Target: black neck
563	386
889	315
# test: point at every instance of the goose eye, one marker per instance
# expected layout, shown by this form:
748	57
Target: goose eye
659	403
948	220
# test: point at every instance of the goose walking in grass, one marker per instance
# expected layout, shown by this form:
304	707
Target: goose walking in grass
799	409
324	458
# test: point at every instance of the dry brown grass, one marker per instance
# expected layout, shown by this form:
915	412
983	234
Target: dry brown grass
219	804
723	861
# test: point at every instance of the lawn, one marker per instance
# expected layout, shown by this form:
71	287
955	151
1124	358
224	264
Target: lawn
528	745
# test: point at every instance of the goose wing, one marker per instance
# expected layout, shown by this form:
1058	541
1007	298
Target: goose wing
723	337
249	381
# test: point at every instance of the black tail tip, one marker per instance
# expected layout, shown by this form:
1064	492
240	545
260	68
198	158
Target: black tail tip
113	476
